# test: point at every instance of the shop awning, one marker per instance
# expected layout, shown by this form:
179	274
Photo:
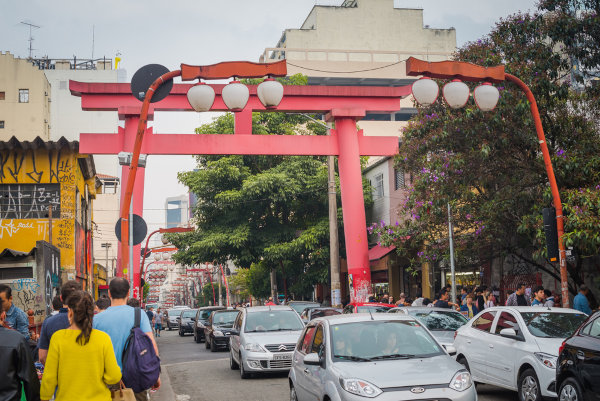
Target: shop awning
378	252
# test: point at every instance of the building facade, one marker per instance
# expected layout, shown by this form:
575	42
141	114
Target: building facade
24	100
47	189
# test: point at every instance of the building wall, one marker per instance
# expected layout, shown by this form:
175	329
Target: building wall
106	215
26	120
31	181
380	211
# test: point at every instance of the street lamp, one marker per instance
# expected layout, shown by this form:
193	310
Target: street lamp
486	97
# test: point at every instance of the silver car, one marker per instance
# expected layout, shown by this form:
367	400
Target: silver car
263	339
441	322
388	356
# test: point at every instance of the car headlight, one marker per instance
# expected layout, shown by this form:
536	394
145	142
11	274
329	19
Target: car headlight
254	347
547	360
218	333
360	387
461	381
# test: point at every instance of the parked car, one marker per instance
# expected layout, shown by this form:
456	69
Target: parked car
299	306
263	339
172	315
516	347
364	355
202	315
218	328
185	321
441	322
309	314
578	366
373	307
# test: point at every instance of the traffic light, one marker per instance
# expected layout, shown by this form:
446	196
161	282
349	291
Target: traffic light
551	232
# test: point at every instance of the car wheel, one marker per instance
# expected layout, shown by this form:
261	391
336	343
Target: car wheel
206	344
570	390
243	373
293	395
213	346
529	386
233	365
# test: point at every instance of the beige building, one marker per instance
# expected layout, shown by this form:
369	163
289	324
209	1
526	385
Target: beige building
105	216
366	43
24	100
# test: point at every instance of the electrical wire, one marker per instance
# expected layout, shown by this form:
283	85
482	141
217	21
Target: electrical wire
346	72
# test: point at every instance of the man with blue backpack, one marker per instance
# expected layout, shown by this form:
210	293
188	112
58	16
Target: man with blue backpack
131	335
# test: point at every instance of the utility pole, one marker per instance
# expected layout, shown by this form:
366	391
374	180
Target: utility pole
451	238
334	242
274	284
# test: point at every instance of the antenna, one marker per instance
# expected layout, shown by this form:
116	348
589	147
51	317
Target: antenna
93	39
31	26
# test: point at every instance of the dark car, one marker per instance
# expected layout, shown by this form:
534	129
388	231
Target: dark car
186	321
366	307
299	306
578	366
312	313
202	315
218	328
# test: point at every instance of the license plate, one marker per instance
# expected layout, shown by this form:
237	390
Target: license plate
284	357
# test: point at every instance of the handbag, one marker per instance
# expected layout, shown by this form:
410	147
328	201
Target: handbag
123	393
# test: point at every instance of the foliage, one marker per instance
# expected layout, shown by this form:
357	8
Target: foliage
145	291
262	212
488	166
205	297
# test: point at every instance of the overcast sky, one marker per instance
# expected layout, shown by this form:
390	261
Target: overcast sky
196	32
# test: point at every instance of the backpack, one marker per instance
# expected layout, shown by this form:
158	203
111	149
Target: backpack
141	365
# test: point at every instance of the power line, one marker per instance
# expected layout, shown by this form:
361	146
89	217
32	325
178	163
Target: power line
346	72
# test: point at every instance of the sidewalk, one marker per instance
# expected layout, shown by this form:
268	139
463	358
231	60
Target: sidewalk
165	392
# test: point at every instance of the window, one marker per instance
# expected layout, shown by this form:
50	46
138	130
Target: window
23	95
317	345
484	322
378	187
593	329
506	321
306	341
2	95
399	179
2	124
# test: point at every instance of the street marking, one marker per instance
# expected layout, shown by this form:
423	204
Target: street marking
188	362
182	397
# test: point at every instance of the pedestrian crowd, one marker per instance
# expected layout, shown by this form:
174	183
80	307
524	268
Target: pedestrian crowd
86	350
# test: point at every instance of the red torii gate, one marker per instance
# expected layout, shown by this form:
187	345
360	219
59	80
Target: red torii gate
342	105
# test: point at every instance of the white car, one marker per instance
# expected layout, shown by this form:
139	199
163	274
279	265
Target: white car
516	347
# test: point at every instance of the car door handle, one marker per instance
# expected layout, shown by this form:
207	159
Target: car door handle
468	341
306	371
580	355
491	345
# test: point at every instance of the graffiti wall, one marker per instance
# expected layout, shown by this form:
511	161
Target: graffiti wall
38	197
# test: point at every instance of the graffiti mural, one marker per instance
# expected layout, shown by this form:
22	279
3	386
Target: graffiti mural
29	201
50	259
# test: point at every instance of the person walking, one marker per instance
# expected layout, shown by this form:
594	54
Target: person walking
490	300
159	320
444	302
580	302
17	371
549	299
151	318
16	319
469	306
57	322
538	296
81	362
518	297
101	304
118	320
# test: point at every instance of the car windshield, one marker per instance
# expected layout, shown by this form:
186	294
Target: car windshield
299	307
225	319
323	312
373	308
381	339
174	312
189	313
272	321
439	320
204	314
552	324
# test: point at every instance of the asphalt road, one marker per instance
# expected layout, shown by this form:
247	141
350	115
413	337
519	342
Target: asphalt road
190	372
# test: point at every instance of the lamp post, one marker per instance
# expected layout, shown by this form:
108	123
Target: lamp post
235	95
456	94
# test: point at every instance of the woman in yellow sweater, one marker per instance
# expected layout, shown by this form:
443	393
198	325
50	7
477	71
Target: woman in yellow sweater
81	361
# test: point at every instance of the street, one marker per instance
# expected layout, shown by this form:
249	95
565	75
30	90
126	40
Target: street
190	372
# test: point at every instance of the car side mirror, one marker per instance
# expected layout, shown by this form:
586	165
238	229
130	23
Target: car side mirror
312	359
234	332
511	333
450	349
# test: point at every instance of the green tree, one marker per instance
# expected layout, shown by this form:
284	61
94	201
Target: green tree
488	166
262	212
